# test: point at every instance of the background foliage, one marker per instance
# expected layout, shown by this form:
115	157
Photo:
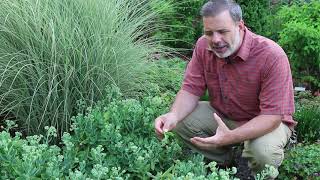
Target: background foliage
168	74
54	53
308	116
255	15
300	37
182	24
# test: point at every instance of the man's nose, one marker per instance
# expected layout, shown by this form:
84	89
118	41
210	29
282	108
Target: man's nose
216	38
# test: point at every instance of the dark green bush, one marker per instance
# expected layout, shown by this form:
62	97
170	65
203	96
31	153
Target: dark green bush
301	162
300	38
255	14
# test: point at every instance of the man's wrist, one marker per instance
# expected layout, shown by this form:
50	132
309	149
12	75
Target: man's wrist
233	137
175	116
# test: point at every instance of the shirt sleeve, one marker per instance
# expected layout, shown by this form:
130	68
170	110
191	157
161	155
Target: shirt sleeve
276	96
194	81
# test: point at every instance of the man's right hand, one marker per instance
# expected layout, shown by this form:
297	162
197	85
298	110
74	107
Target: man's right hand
165	123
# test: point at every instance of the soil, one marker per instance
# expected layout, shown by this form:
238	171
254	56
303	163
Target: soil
243	171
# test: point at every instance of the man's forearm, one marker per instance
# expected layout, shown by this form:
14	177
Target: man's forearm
184	104
256	127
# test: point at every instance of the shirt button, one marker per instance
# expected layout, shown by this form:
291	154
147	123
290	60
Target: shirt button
225	97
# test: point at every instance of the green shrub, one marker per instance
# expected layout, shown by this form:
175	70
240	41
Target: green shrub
54	53
114	140
255	15
308	116
301	162
168	74
300	37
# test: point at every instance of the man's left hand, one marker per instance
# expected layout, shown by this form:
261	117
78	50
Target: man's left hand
222	137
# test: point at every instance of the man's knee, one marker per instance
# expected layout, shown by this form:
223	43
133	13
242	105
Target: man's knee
198	123
264	153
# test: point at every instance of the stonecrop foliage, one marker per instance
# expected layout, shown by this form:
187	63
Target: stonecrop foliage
113	140
56	52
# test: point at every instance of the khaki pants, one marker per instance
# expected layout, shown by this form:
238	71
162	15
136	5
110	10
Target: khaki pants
267	149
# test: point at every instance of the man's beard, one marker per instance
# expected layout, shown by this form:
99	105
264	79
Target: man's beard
231	48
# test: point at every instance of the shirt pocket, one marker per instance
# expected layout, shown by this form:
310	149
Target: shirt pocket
247	93
213	85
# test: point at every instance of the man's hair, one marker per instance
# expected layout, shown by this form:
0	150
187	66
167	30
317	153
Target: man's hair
214	7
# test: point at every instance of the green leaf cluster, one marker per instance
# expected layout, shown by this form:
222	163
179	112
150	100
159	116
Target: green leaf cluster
301	162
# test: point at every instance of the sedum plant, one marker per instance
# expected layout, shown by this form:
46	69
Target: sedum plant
56	52
114	140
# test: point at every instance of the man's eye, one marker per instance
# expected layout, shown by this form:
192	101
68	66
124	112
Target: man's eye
208	33
223	32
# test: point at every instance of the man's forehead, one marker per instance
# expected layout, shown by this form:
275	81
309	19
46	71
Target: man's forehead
223	16
222	20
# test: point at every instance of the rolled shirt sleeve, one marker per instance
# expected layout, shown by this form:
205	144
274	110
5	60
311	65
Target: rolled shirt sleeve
276	96
194	80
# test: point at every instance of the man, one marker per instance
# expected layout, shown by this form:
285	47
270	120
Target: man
249	82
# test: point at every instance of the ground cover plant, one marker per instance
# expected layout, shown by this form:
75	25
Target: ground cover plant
114	140
302	162
54	53
302	159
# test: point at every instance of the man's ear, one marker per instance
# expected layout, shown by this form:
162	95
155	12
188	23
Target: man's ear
241	24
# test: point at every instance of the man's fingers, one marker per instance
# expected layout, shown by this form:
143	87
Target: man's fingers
200	143
207	140
158	129
159	135
159	126
167	127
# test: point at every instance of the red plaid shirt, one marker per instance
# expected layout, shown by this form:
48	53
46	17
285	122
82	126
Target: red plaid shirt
256	81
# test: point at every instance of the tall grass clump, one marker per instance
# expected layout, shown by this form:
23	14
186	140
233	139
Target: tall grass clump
308	116
57	53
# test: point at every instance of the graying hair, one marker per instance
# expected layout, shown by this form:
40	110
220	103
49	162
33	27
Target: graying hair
214	7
